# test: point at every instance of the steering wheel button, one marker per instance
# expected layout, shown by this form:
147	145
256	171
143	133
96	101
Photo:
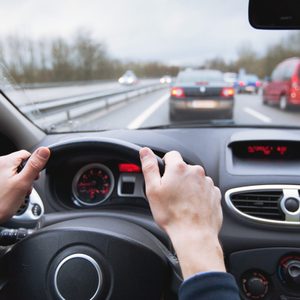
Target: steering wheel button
70	283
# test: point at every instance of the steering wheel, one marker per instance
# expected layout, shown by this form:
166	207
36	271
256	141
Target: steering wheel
91	255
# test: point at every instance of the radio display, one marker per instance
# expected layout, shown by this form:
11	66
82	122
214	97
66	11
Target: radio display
267	150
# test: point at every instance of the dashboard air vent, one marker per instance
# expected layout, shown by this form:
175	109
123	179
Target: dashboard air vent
23	207
260	204
268	204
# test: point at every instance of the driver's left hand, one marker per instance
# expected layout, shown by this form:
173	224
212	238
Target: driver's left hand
15	186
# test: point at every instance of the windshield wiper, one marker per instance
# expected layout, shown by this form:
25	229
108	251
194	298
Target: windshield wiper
193	123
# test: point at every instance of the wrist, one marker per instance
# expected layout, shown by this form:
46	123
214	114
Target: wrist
198	251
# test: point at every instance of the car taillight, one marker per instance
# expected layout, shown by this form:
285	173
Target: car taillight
177	92
242	83
295	82
227	92
258	83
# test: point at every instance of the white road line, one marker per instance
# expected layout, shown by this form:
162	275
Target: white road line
257	115
138	121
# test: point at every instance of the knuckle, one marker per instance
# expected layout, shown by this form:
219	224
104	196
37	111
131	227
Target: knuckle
199	170
209	181
174	152
181	166
218	193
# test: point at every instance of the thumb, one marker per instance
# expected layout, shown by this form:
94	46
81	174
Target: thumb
35	164
150	168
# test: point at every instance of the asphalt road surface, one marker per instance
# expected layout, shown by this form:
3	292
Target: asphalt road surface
153	110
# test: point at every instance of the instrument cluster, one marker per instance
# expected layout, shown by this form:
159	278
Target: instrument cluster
95	183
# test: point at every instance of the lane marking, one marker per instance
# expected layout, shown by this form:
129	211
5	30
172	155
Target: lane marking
138	121
257	115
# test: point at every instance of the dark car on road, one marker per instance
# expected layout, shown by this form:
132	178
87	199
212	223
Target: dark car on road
201	94
248	83
284	86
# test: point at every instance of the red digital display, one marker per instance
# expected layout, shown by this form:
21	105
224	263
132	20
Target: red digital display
268	150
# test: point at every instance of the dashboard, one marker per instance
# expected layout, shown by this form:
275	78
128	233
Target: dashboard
256	169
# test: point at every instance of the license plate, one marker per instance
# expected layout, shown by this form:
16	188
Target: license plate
203	104
249	88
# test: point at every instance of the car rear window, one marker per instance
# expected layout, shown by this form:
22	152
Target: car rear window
209	76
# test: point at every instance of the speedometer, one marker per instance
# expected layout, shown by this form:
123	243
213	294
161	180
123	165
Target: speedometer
92	184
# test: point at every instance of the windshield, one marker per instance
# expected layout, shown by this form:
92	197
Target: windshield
98	65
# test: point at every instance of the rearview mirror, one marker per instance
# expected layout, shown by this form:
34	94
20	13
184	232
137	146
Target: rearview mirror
274	14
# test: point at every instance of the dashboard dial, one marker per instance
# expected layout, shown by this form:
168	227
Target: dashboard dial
92	184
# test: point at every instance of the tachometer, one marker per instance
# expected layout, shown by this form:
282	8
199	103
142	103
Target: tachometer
92	184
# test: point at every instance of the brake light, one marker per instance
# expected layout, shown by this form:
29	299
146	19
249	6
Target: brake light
242	83
177	92
258	83
295	82
129	168
227	92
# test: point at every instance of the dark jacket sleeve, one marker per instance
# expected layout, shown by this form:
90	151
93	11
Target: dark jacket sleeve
209	286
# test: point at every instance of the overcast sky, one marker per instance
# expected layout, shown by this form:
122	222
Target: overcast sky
171	31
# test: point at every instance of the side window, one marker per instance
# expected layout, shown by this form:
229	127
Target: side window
289	70
275	75
281	72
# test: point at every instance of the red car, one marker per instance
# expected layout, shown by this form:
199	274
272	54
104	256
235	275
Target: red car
284	86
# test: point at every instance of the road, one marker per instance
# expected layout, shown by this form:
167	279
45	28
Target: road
152	110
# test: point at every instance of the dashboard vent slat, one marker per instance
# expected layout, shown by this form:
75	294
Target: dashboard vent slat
259	204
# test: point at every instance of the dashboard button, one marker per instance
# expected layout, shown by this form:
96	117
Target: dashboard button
255	285
291	204
36	210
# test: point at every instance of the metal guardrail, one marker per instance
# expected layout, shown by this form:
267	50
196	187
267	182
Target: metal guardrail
48	114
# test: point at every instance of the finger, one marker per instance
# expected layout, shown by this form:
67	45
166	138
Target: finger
174	163
150	168
15	159
35	164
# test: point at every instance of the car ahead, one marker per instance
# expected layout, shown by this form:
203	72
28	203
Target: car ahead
129	78
165	79
283	88
201	94
248	83
231	78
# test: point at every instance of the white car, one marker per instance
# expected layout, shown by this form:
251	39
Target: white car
165	79
128	78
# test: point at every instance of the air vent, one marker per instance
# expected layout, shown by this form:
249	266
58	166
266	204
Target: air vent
266	203
23	207
260	204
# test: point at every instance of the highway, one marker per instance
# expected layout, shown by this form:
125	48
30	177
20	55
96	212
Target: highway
152	109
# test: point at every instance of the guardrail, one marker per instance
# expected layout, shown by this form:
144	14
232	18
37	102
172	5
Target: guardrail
48	114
